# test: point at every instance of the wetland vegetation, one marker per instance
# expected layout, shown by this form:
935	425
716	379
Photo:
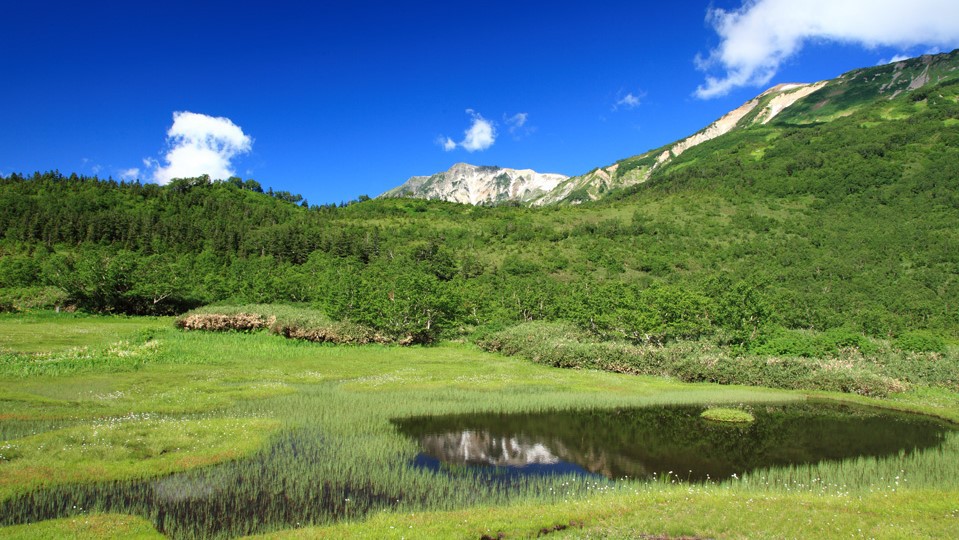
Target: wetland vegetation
723	414
202	434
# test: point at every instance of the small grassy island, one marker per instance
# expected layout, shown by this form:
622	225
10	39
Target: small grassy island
732	416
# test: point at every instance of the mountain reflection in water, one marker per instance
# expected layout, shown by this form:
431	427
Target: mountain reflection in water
483	448
639	442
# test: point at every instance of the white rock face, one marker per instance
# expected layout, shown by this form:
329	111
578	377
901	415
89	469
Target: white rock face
784	95
473	184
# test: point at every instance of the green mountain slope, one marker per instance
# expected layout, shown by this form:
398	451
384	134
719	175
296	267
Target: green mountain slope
782	106
791	225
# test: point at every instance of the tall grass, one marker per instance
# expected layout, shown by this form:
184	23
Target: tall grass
338	457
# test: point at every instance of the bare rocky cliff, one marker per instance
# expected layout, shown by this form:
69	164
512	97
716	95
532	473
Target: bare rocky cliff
473	184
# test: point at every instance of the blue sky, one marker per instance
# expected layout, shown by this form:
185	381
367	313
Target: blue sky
337	99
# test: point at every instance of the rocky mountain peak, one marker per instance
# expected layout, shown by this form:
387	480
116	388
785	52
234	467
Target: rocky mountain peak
482	184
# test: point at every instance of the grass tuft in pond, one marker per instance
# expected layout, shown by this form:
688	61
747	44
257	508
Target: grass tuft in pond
732	416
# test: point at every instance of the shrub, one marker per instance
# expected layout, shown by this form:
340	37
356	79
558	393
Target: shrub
836	339
565	345
808	344
334	332
219	322
30	298
920	341
783	342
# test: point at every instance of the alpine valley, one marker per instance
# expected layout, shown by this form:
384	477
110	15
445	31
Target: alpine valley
816	206
209	359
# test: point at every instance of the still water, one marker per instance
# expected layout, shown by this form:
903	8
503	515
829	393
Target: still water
641	442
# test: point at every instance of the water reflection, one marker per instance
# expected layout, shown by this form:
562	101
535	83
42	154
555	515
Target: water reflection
639	442
482	448
495	458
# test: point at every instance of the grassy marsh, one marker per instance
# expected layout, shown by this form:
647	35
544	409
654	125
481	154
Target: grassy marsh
45	332
329	458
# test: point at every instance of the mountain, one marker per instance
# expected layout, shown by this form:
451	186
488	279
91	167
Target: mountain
795	104
464	183
782	105
759	110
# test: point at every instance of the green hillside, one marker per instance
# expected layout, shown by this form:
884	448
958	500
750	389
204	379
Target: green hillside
916	77
783	105
764	239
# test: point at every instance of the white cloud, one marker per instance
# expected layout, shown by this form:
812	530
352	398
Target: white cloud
629	101
200	144
95	168
518	125
480	135
132	173
757	38
517	121
894	59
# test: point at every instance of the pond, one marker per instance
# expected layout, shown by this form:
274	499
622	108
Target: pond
653	441
464	460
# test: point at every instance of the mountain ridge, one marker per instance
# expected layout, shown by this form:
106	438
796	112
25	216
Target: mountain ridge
783	104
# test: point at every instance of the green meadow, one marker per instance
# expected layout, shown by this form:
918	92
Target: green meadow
41	332
231	434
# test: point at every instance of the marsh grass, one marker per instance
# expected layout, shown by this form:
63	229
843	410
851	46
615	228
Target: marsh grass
120	527
335	455
699	512
118	448
48	332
